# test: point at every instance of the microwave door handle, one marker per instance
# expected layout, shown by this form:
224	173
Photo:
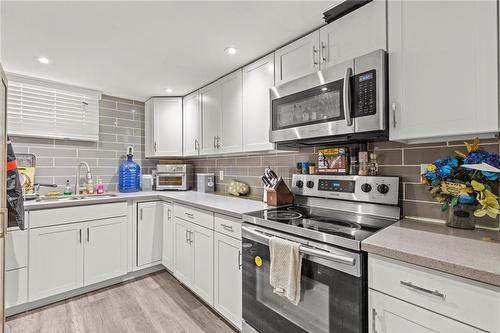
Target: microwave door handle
347	96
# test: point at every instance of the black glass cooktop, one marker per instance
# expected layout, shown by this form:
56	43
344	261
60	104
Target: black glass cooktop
327	221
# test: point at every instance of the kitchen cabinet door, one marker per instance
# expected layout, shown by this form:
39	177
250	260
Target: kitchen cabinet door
231	104
168	237
258	78
227	293
167	126
210	118
443	69
202	244
183	254
358	33
192	124
391	315
55	260
298	58
149	129
105	249
149	233
16	287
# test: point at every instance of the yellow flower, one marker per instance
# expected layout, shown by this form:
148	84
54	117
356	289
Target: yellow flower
477	186
460	154
431	167
472	146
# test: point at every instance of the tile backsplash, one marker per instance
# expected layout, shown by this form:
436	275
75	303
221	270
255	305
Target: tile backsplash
395	159
121	124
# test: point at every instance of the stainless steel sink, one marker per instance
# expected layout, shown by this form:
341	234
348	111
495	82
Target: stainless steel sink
74	197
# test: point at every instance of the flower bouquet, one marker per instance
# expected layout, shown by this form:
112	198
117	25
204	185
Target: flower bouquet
465	184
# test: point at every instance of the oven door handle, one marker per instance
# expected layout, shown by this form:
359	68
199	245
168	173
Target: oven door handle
306	249
347	96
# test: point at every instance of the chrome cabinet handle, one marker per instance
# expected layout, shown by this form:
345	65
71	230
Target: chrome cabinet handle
393	109
374	317
80	231
88	235
215	139
196	144
190	239
227	227
424	290
239	259
323	52
314	55
140	214
347	96
155	147
189	215
187	241
169	214
218	142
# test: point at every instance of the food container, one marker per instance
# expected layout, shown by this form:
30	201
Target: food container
205	182
147	182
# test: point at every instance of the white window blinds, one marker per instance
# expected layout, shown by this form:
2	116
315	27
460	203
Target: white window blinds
37	108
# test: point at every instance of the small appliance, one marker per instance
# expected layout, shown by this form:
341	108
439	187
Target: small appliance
205	182
177	177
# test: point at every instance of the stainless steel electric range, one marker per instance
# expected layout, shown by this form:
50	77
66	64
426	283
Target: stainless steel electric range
329	219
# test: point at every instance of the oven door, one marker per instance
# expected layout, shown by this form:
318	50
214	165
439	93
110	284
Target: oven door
333	293
171	181
317	105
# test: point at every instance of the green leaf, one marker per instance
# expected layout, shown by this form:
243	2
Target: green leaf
454	201
444	207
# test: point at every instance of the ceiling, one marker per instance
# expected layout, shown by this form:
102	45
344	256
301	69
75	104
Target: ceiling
136	49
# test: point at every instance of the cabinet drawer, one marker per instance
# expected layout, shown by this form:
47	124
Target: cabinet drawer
16	287
47	217
16	249
228	226
195	215
468	301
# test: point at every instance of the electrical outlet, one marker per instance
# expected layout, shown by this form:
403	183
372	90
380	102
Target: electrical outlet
221	174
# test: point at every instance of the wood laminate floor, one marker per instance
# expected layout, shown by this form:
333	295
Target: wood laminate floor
154	303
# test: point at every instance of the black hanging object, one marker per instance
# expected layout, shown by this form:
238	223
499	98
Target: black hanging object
344	8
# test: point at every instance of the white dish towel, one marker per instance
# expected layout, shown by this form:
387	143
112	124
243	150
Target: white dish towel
286	264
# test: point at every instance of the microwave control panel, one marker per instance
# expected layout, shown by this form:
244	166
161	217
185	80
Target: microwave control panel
364	87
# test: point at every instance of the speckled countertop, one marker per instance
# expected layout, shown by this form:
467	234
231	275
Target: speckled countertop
213	202
473	254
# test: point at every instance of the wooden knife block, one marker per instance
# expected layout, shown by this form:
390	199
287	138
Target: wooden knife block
280	195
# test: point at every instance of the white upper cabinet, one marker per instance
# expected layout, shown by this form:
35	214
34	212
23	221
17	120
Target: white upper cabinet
163	127
210	118
192	124
231	106
443	69
359	32
258	78
298	58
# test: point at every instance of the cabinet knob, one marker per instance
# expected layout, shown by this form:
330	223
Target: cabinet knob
393	110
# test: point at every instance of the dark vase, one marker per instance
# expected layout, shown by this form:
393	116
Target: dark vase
461	216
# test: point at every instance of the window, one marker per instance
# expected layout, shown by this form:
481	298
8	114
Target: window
44	109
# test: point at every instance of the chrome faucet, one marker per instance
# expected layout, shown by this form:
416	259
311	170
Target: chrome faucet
78	188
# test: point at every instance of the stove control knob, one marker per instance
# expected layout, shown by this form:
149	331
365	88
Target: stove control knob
299	183
382	188
310	184
366	187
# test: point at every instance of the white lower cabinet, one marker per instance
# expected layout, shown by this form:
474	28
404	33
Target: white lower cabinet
16	287
168	236
56	260
227	277
73	255
409	298
193	257
149	233
105	252
391	315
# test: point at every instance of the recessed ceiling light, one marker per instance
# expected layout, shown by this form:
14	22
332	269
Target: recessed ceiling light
324	89
168	90
230	50
43	60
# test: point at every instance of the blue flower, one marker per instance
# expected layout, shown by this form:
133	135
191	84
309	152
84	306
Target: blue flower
466	199
490	175
431	175
445	171
453	162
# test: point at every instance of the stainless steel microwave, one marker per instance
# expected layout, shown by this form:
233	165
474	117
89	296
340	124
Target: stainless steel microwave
174	177
322	108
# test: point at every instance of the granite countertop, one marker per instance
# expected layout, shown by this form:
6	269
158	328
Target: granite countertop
232	206
472	254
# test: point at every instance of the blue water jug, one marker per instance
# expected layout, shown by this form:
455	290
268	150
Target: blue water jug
130	174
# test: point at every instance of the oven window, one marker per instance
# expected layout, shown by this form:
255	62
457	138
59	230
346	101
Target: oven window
316	105
331	300
170	180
